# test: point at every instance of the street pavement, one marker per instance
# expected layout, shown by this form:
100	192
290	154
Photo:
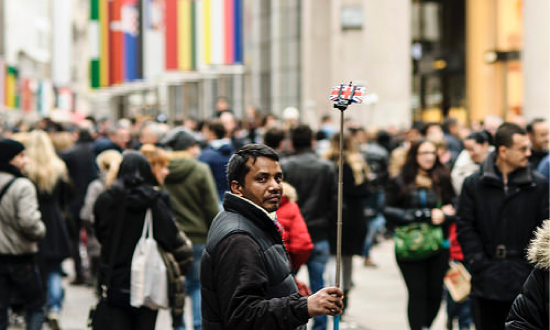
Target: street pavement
378	300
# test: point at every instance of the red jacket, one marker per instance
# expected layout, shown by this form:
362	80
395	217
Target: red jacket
455	250
295	234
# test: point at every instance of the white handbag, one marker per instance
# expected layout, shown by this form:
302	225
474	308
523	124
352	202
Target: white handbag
148	280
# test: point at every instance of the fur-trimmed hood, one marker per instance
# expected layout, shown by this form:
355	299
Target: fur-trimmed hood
539	248
289	192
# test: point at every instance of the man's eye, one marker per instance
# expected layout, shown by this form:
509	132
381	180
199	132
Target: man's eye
261	179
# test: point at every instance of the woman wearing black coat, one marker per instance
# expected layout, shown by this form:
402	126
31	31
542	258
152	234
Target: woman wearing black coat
125	205
49	174
422	192
355	190
530	310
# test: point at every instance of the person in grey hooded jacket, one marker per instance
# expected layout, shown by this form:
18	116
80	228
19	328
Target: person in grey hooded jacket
21	228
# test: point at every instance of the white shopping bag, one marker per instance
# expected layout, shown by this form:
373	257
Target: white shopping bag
148	280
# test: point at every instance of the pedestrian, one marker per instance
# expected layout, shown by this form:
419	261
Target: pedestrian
355	191
246	277
530	308
21	228
477	146
80	161
499	208
422	194
538	133
50	176
295	235
124	206
194	198
217	153
306	172
108	162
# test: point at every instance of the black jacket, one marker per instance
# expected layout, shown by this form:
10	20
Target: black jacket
55	246
495	223
354	222
80	160
315	183
246	278
117	204
404	206
531	307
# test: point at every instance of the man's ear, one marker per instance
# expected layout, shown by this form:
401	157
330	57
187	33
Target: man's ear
236	188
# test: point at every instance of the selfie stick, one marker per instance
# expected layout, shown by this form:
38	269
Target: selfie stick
343	96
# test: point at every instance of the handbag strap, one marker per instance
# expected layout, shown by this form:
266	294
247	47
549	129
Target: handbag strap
6	187
147	225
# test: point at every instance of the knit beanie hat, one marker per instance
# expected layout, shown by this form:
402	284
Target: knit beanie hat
9	149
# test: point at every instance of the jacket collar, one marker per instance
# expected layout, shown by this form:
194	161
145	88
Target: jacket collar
256	214
490	174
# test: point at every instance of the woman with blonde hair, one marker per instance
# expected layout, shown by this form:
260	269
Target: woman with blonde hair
356	189
108	162
49	174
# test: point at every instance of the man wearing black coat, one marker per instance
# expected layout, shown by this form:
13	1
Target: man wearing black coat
80	161
315	183
246	278
499	208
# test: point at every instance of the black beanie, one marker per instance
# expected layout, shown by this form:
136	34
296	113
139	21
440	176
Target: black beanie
9	149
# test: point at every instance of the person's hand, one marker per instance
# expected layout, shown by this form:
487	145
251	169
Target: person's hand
448	210
437	216
327	301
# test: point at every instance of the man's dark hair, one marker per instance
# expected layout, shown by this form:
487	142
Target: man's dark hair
216	126
237	167
301	137
273	137
447	123
531	126
505	133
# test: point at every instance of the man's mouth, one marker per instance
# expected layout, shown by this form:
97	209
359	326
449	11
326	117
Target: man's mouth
273	198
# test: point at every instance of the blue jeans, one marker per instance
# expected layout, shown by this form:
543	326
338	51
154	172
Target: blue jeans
193	288
316	269
55	289
375	226
19	277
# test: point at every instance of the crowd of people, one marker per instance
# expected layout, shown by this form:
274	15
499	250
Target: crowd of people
225	194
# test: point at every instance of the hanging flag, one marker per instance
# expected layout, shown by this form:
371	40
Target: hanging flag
130	29
45	98
229	28
199	33
11	87
94	37
206	40
238	31
2	82
185	30
104	30
217	31
153	38
26	95
115	42
171	34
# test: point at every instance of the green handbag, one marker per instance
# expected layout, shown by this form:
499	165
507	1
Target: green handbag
417	241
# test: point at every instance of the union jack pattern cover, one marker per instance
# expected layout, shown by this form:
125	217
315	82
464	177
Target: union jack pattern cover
358	93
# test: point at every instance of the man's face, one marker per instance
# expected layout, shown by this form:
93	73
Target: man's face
147	136
262	184
517	156
122	137
539	137
20	161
